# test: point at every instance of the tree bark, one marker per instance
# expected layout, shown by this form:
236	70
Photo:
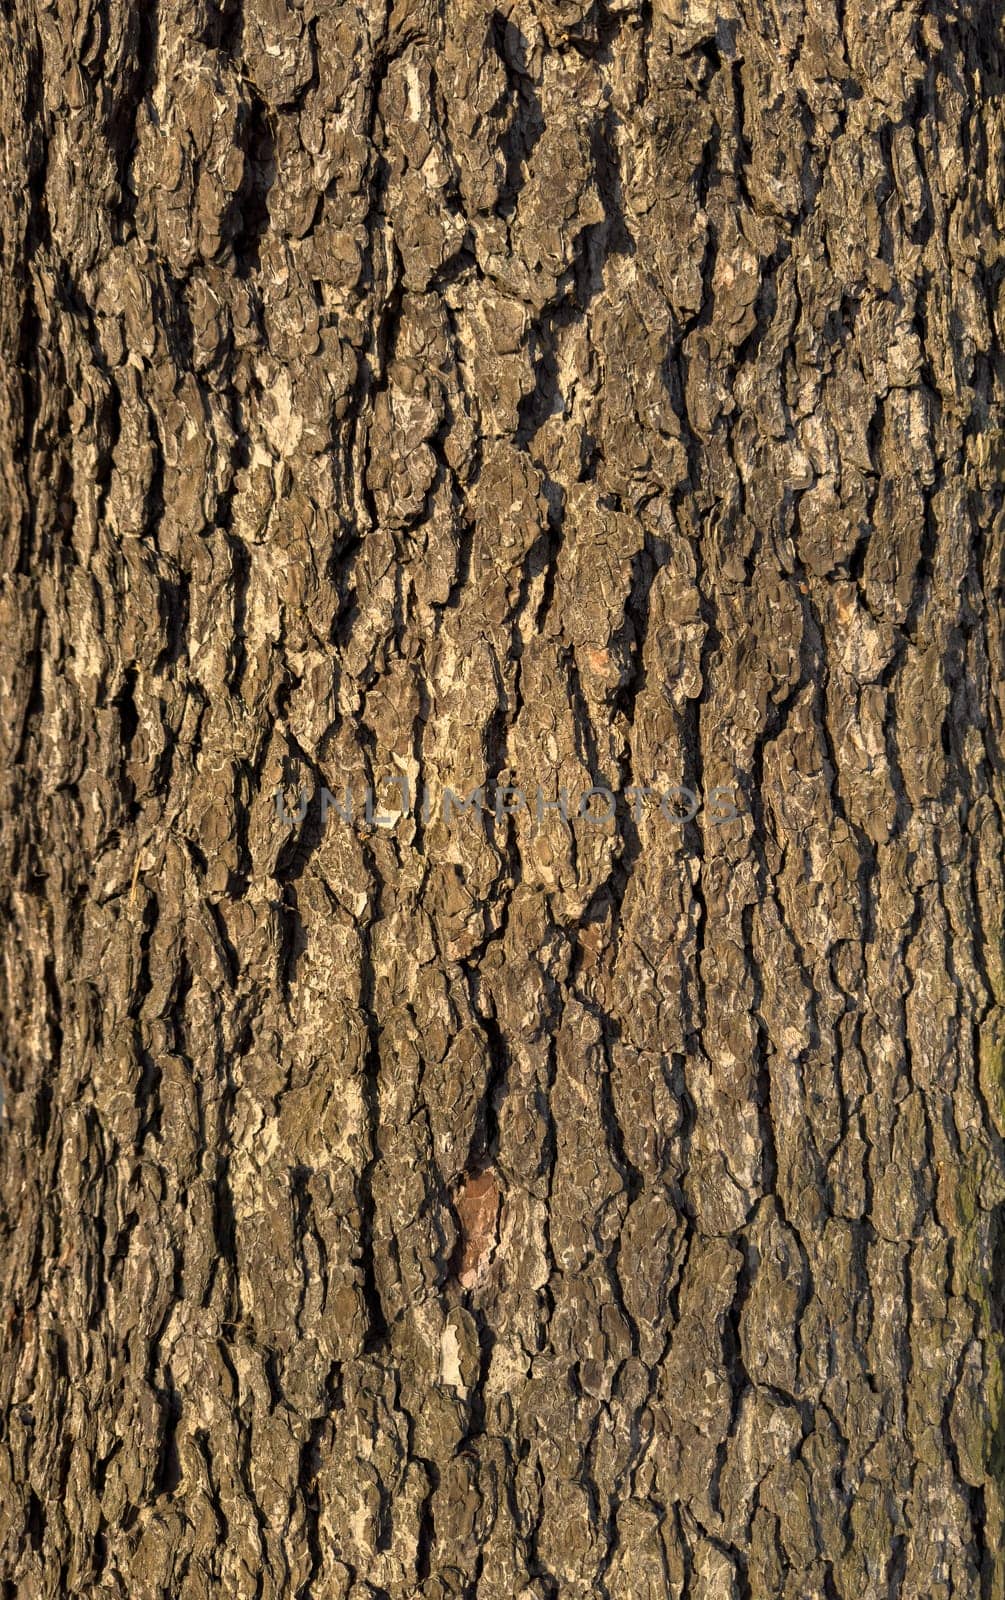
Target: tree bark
499	1203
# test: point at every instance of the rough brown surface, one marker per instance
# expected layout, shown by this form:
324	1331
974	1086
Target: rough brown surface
551	396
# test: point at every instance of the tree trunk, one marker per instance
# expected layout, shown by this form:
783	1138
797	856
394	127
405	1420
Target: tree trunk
562	1194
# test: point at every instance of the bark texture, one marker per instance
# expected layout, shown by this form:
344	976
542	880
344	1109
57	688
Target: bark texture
542	394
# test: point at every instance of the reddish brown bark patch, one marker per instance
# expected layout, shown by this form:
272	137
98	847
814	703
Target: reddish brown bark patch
476	1203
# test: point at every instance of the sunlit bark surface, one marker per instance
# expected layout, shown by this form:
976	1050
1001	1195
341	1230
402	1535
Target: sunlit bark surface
501	1204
